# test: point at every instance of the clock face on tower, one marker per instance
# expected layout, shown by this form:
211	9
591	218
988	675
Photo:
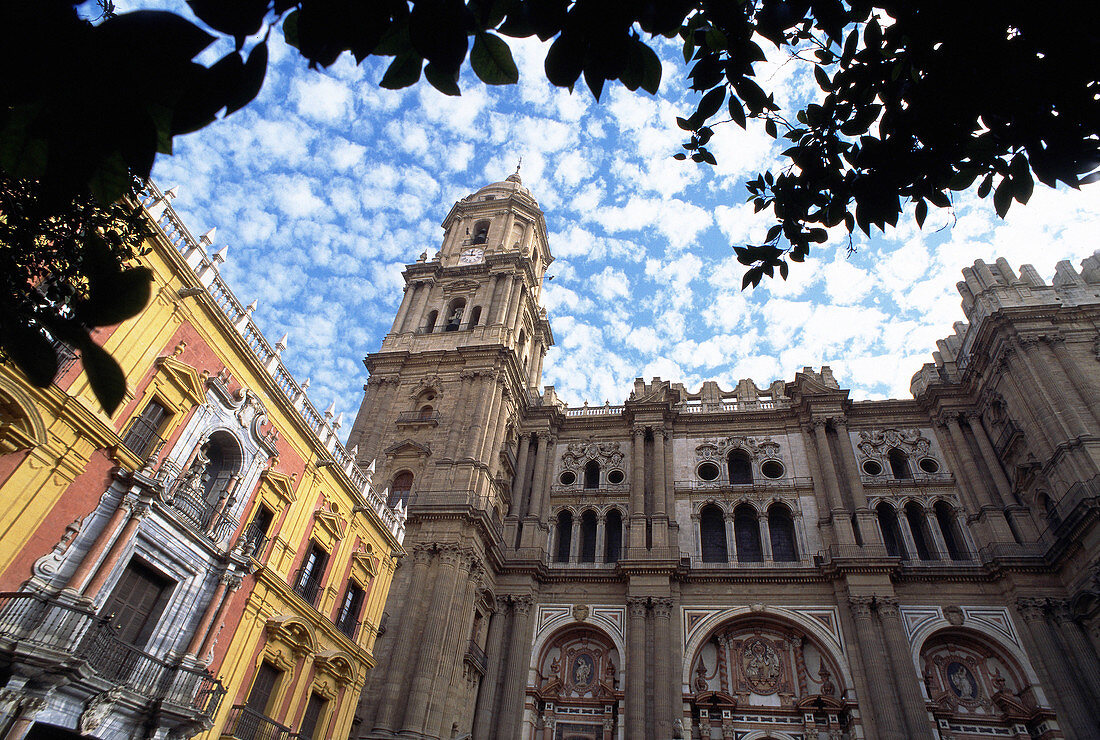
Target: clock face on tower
471	256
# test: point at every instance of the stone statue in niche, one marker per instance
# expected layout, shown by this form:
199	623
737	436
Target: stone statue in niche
962	681
583	670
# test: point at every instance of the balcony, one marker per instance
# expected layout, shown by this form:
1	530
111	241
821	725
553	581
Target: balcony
415	418
254	540
308	588
141	438
350	627
52	636
247	724
476	657
189	498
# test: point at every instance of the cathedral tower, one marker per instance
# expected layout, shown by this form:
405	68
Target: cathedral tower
439	416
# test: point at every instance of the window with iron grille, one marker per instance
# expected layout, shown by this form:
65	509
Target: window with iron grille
348	618
143	433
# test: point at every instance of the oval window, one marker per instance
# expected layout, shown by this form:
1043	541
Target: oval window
568	478
870	467
708	471
615	477
929	465
772	469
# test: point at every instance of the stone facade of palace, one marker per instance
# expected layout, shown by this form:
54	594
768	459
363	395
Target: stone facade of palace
772	561
208	560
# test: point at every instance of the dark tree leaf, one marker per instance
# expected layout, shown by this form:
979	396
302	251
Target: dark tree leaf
236	18
921	212
250	81
114	298
1002	197
104	375
710	104
492	61
402	72
444	82
31	352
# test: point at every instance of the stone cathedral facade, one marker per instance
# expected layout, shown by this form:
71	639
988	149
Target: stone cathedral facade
772	561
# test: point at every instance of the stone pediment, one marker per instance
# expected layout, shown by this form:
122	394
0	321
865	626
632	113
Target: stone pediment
408	447
183	378
330	521
280	483
337	664
293	632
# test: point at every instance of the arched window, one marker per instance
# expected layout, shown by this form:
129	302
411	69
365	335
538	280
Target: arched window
747	531
481	232
475	316
565	534
781	532
919	527
592	475
401	488
588	537
712	535
891	535
613	534
950	528
899	464
429	323
740	467
221	474
454	314
426	411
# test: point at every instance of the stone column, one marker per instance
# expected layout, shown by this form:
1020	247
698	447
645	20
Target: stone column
574	541
882	704
501	308
601	537
1079	650
637	488
1072	705
520	504
405	641
202	642
28	708
403	310
515	680
1056	381
662	624
635	668
138	511
991	515
91	558
905	674
491	453
515	306
1003	487
429	646
697	527
540	486
731	537
765	538
1085	392
938	543
449	682
659	482
487	405
909	542
415	319
494	656
868	525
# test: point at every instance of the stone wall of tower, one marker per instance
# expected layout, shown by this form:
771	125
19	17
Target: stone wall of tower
771	558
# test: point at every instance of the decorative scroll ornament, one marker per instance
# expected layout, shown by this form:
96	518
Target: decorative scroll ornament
577	454
760	448
876	442
760	665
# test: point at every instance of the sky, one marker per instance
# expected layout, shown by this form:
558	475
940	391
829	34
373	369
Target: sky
326	185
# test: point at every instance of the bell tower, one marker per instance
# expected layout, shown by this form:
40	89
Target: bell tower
440	412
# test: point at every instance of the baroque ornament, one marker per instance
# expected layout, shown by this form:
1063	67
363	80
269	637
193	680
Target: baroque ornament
579	453
876	442
760	665
717	449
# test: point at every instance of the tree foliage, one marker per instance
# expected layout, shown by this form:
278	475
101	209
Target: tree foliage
917	99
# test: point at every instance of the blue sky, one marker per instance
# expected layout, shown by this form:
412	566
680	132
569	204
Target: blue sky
326	185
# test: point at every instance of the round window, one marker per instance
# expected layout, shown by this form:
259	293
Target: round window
772	469
615	477
568	478
870	467
929	465
708	471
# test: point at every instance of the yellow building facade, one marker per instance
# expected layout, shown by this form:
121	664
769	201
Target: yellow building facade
208	561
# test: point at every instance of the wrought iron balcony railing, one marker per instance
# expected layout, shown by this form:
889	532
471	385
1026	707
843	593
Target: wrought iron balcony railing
308	588
47	630
142	438
248	724
254	540
190	499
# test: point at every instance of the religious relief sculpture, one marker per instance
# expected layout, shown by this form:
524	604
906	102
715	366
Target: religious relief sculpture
579	453
583	670
760	665
876	442
962	681
760	448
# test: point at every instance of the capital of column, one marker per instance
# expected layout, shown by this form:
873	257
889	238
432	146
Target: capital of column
662	607
636	605
422	553
522	603
861	606
838	421
888	607
638	430
232	580
1031	609
452	555
1060	610
500	604
543	436
1054	337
